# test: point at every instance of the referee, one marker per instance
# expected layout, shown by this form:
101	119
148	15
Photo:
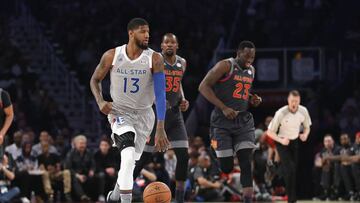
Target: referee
285	130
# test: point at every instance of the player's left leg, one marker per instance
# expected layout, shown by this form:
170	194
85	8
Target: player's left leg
179	142
244	143
181	173
146	156
244	157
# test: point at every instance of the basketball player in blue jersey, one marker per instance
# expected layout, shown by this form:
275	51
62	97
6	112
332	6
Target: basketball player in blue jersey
174	124
227	85
137	79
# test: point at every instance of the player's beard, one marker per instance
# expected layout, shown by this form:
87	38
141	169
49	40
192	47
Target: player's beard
169	53
140	44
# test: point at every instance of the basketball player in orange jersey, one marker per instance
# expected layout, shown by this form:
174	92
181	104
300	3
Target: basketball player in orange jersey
227	85
174	124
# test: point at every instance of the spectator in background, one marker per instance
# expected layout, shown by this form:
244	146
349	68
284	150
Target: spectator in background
330	175
25	163
44	138
82	166
7	168
50	164
170	165
61	146
193	159
28	137
260	159
208	187
159	168
345	167
15	149
6	116
356	166
106	167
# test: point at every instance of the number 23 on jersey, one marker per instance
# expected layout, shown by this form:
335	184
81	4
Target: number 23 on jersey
242	87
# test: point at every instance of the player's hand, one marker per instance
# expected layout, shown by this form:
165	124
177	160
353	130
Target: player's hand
81	178
230	113
105	107
91	173
217	185
285	141
161	141
303	137
110	171
184	105
255	100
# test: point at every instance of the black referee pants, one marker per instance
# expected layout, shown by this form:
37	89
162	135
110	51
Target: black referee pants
288	158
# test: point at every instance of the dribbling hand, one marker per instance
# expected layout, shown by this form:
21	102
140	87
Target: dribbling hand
230	113
161	141
105	107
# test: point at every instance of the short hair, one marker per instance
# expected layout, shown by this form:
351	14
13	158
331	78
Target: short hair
136	23
328	135
79	138
169	34
246	44
294	93
104	138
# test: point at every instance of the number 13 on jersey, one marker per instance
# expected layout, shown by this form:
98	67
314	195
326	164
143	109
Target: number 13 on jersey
134	85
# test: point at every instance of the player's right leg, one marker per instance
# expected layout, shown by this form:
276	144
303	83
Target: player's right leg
124	184
221	142
123	136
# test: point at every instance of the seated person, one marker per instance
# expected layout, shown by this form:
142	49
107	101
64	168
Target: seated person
50	164
7	174
81	164
207	187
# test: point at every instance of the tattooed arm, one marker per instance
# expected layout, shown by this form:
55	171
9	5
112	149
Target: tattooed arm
99	74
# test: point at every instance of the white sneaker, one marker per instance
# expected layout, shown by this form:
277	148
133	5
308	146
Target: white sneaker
101	198
25	200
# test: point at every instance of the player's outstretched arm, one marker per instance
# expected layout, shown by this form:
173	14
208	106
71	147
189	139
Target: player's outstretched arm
206	87
99	74
161	141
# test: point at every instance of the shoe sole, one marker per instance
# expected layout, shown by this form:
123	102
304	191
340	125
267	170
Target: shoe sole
108	198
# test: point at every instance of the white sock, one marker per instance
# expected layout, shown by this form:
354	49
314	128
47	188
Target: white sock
126	198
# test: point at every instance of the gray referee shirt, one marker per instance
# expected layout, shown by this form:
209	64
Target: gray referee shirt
287	124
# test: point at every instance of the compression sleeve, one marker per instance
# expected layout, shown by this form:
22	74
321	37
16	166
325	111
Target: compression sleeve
160	94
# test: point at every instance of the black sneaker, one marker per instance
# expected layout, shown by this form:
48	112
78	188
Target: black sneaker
67	197
51	199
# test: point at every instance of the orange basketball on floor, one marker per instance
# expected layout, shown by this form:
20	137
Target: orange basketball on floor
157	192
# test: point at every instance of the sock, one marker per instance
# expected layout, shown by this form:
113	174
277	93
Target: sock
247	194
126	198
179	195
247	199
115	195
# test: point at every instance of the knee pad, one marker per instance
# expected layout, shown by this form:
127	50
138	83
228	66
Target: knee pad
226	164
125	180
244	156
182	157
124	140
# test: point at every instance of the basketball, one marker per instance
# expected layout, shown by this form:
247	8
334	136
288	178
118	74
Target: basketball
157	192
